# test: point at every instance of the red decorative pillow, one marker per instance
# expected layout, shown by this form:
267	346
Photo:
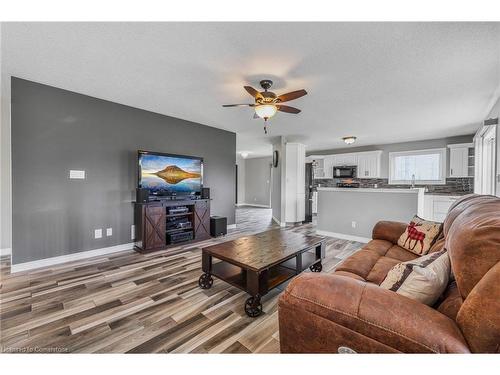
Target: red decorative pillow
420	235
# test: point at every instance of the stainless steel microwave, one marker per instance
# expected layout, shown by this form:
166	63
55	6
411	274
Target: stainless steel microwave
344	172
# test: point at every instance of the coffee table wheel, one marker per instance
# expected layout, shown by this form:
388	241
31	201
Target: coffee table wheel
253	307
316	267
205	281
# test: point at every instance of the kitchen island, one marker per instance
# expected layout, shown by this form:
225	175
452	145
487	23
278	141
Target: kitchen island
351	213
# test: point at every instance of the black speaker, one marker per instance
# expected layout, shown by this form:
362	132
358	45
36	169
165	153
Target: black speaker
142	195
205	193
218	226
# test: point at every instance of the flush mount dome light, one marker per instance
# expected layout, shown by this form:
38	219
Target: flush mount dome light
266	111
349	140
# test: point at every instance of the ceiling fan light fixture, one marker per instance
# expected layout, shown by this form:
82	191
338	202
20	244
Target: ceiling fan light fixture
266	111
349	140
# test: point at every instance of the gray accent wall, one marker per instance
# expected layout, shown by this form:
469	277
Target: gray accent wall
394	147
337	210
258	181
55	130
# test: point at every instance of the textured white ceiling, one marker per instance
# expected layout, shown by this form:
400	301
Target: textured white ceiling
382	82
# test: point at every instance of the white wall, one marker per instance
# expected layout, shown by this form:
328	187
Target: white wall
278	175
394	147
5	159
240	162
258	181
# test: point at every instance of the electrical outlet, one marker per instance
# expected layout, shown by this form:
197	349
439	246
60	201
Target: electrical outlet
98	233
109	232
132	232
76	174
353	224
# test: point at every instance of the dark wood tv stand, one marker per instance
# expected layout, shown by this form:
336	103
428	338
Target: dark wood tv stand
151	219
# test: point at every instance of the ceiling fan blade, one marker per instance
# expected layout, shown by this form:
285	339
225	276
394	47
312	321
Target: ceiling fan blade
253	92
238	105
288	109
291	95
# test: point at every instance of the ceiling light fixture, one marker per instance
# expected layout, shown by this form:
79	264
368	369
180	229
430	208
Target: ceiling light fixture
349	140
244	154
266	111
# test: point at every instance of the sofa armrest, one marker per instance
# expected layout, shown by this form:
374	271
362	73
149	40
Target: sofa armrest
388	230
320	313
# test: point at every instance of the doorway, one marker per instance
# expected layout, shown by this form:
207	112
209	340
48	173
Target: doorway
485	160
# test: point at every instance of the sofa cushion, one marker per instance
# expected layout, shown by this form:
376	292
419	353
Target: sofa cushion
374	260
398	253
379	246
349	274
420	235
423	279
450	302
360	263
380	269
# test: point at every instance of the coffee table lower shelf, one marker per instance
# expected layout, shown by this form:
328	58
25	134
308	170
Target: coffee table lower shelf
237	276
258	282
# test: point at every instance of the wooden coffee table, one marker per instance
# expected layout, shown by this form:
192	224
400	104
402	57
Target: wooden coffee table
261	262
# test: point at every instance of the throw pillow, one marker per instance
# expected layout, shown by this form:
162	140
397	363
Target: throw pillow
420	235
423	279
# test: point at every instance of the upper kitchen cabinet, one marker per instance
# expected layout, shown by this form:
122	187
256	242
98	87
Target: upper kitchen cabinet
344	159
368	164
328	166
461	160
318	165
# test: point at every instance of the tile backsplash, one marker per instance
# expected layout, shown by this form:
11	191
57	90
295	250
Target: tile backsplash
457	186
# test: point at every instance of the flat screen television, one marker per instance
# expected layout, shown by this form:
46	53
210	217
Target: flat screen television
170	175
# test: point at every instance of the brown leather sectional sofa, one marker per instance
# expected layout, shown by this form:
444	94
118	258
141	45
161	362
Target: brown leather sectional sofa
323	313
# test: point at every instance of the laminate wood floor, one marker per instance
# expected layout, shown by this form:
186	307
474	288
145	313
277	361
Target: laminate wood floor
134	303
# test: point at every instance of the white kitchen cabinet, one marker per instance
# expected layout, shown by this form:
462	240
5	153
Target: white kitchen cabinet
428	215
459	159
318	166
344	159
436	206
315	202
328	166
369	164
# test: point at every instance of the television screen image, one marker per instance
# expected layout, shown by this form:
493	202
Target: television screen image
164	174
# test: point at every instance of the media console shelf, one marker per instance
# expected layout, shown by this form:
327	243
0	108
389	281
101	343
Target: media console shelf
158	226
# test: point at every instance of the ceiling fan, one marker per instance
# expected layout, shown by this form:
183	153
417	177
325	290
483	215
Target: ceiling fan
267	103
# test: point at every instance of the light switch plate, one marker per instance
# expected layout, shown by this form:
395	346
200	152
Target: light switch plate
109	232
98	233
76	174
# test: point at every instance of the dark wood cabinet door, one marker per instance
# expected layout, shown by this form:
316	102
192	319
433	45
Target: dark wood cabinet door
202	220
154	227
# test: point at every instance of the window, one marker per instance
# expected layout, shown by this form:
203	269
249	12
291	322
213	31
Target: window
424	166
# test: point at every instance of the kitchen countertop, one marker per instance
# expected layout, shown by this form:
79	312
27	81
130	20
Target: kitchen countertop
372	190
445	194
439	193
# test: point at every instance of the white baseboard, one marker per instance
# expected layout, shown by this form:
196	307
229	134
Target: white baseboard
5	252
69	258
253	205
343	236
279	222
231	226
